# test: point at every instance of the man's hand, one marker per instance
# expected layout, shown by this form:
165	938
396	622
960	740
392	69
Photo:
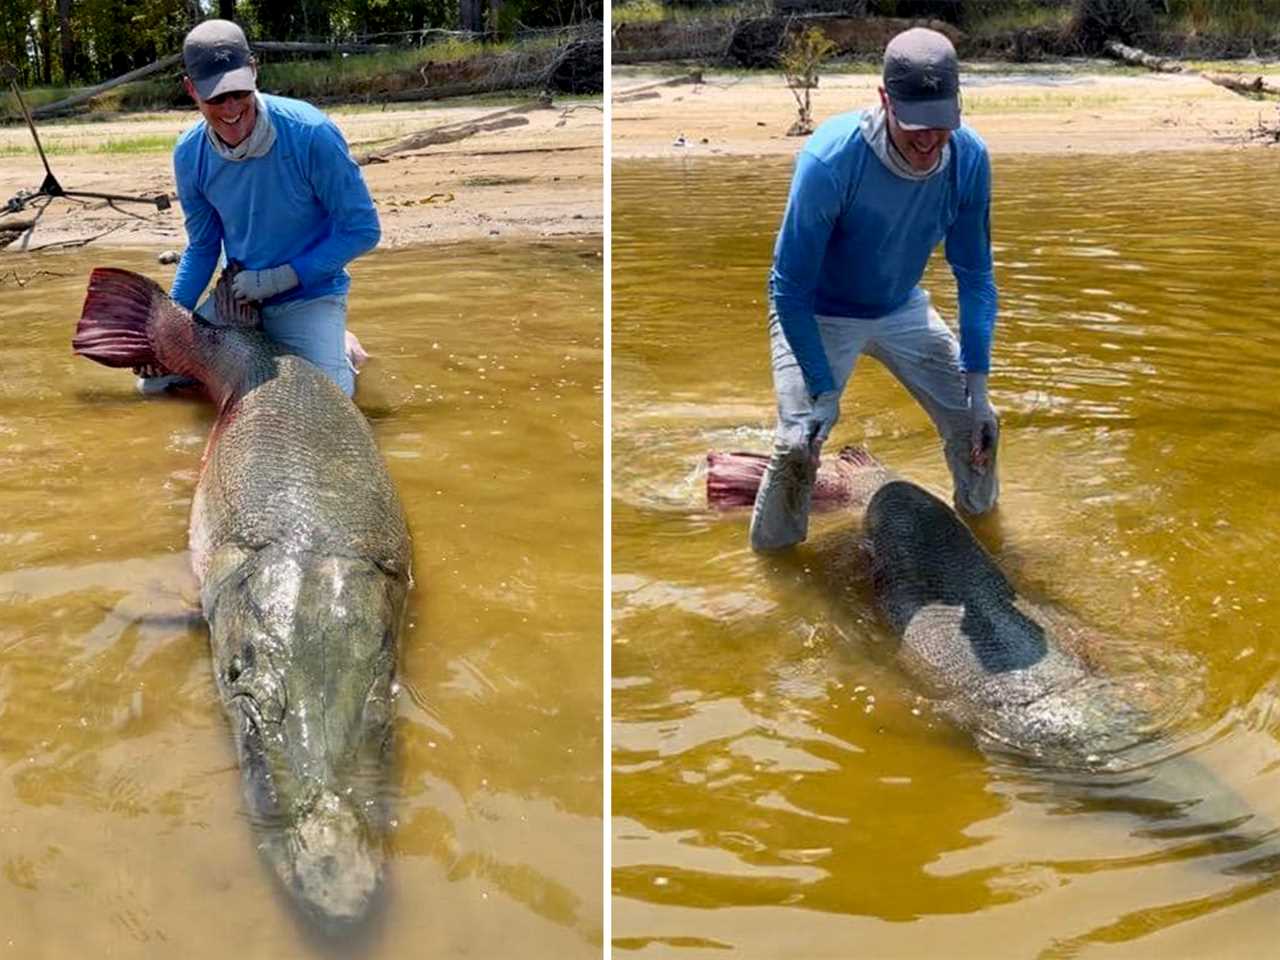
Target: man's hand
258	285
822	417
986	428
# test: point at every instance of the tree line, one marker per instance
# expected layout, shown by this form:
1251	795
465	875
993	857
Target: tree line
88	41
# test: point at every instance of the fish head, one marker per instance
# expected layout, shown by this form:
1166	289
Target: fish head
304	652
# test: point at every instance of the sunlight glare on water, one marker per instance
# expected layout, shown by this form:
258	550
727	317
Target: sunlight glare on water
122	830
779	787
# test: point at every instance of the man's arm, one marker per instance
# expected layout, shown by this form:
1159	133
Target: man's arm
341	189
812	210
968	250
969	253
204	236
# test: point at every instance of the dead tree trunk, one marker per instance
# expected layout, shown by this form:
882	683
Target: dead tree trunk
68	43
1140	58
1239	83
1236	82
471	15
91	92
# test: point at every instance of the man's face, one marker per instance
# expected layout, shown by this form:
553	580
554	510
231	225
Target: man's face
230	115
921	148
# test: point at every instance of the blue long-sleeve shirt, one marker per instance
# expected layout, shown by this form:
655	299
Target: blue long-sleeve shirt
304	203
856	236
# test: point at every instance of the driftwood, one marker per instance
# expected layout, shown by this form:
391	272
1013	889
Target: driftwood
448	133
82	242
297	46
1239	83
89	93
1236	82
630	93
1141	58
577	68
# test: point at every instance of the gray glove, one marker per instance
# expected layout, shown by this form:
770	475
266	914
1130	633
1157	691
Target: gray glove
822	417
986	427
259	285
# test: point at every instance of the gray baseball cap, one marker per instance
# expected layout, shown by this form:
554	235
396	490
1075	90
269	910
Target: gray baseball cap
922	78
218	60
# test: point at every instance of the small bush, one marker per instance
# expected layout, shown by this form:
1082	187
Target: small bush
1094	22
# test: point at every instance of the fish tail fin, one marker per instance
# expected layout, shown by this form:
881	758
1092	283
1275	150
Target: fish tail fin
856	456
734	478
115	319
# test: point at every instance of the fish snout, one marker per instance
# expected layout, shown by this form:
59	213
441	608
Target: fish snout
335	870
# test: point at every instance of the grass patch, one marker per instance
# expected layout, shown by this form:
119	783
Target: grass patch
1039	102
145	143
651	11
998	23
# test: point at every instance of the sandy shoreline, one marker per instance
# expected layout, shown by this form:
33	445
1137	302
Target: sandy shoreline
545	178
542	179
1046	111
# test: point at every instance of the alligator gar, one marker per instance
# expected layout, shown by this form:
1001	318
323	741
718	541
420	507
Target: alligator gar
299	543
1025	678
1016	673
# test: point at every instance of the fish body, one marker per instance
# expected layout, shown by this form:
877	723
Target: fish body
1016	673
302	552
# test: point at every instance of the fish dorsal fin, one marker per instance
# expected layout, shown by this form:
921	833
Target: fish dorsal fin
228	312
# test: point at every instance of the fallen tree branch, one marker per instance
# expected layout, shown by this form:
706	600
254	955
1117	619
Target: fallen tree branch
694	78
1141	58
83	242
88	94
1239	83
14	277
447	133
1255	86
298	46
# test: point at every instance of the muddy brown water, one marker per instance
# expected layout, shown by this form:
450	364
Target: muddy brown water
122	831
779	788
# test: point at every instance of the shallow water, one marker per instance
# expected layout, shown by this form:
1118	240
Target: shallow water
779	787
122	831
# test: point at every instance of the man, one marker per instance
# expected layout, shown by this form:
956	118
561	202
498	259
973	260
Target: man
270	182
873	194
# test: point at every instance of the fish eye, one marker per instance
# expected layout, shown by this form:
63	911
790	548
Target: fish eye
234	669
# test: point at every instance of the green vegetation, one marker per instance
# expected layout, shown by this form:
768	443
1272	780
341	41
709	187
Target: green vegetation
1232	18
654	11
353	76
147	143
802	55
1049	102
987	22
1196	27
64	43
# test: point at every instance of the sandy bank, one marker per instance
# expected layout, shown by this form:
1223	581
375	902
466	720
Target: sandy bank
542	179
1068	109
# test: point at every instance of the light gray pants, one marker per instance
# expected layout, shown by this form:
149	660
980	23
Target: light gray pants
922	352
313	329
